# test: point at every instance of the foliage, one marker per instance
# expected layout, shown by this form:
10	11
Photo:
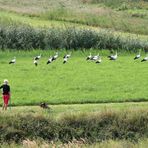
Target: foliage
27	37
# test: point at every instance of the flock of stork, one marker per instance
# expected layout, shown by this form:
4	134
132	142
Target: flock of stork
95	58
50	60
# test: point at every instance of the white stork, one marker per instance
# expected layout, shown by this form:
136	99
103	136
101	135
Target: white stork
89	57
37	57
113	57
55	56
99	60
35	62
49	60
67	55
13	61
65	60
145	59
95	58
138	55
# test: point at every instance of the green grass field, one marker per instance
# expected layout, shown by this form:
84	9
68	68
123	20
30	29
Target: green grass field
78	81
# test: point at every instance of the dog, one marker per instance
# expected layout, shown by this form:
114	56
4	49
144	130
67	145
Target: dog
44	106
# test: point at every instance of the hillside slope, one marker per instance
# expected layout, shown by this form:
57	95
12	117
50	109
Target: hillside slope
122	16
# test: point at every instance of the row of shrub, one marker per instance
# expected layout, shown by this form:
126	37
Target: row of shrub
27	37
92	127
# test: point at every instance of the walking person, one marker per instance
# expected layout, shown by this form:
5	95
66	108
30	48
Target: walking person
6	94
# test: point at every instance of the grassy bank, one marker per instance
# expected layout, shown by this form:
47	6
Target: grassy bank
104	18
78	81
74	114
92	127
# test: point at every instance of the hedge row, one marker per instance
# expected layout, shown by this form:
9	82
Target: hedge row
27	37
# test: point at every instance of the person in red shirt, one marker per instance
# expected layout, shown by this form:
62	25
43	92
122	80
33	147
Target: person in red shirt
6	93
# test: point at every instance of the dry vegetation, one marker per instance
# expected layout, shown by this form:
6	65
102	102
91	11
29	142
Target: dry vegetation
74	128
